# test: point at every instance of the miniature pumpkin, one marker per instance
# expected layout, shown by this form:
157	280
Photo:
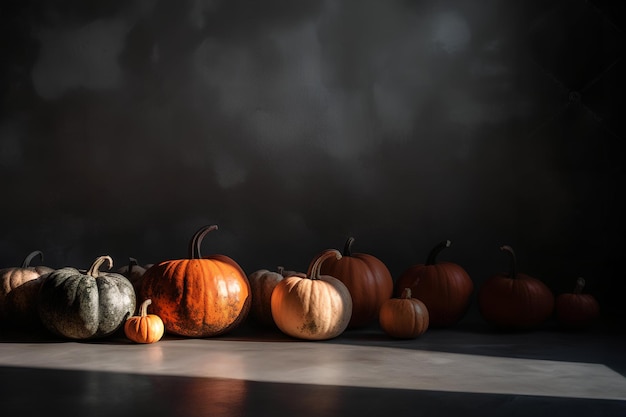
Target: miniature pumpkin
404	317
444	287
515	300
368	280
314	307
144	328
262	284
576	310
199	296
134	272
86	305
19	287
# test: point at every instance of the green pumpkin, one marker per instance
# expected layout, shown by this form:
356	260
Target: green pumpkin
86	305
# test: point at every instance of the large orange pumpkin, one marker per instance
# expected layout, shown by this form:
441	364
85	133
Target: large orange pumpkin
368	280
314	307
198	296
515	300
444	287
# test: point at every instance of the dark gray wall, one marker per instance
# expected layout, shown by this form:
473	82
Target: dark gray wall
127	125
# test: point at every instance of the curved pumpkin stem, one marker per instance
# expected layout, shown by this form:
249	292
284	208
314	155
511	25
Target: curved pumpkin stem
314	270
513	265
31	256
406	293
132	262
143	309
432	256
196	241
94	270
347	248
280	269
580	284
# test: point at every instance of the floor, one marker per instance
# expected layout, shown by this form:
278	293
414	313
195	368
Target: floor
470	370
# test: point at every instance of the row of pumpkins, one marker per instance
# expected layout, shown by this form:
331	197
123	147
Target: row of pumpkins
205	296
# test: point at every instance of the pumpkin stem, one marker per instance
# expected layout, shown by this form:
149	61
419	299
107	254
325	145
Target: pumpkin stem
196	241
143	309
580	284
30	257
347	248
94	270
132	262
314	270
432	256
513	267
406	293
280	269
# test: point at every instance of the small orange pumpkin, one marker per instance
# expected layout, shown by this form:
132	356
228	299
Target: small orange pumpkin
404	317
199	296
576	310
144	328
314	307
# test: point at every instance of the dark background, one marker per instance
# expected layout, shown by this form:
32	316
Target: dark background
127	125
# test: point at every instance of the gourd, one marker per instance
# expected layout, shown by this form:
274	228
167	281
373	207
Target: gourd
19	287
262	284
515	300
367	278
144	328
444	287
86	305
314	307
404	317
198	296
576	310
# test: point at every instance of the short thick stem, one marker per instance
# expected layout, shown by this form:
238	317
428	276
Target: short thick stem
196	241
406	293
30	257
432	256
314	271
580	285
513	264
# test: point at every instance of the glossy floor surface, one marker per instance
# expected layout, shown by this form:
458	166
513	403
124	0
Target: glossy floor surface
468	370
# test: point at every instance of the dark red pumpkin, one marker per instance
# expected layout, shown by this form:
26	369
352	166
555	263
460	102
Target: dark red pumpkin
199	296
444	287
576	310
369	281
515	300
262	284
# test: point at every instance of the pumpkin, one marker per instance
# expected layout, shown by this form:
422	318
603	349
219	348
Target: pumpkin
444	287
144	328
198	296
86	305
19	287
314	307
134	272
515	300
404	317
368	280
262	284
576	310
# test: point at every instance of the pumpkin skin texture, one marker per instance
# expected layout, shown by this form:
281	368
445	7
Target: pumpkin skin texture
369	281
144	328
444	287
198	296
262	284
515	301
404	317
314	307
88	305
19	287
576	310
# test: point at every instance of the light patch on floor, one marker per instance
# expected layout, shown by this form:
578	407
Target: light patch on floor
327	364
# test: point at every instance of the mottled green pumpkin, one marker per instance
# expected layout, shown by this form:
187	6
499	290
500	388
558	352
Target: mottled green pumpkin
86	305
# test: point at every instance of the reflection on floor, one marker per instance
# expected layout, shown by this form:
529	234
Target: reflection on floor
467	370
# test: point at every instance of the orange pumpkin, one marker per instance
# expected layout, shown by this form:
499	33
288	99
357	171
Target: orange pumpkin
515	300
404	317
19	287
576	310
444	287
368	280
314	307
198	296
144	328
